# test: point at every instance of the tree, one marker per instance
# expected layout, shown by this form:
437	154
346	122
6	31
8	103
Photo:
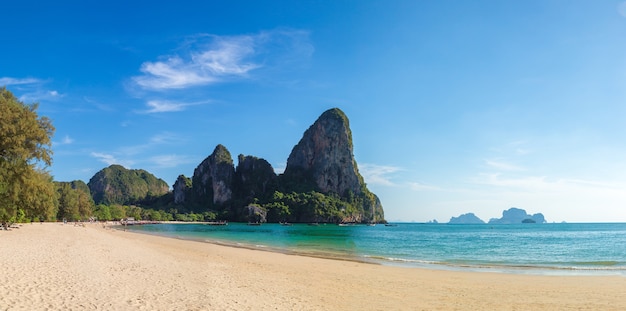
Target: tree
117	211
85	204
68	202
25	152
74	203
103	212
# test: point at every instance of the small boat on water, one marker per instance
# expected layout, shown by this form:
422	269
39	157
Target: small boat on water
130	221
391	225
217	223
254	224
285	224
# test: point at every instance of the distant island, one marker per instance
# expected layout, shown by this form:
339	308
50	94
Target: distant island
468	218
516	216
513	215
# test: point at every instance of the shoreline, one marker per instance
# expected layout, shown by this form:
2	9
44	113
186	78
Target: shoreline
515	269
405	264
56	266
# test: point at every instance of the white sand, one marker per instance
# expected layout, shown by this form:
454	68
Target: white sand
63	267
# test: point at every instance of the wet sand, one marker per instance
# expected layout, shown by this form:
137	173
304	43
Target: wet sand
53	266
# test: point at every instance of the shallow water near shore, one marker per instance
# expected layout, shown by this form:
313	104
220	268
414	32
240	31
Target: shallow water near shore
563	249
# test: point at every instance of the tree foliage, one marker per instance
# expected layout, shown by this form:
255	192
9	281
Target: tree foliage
311	206
118	185
26	189
74	201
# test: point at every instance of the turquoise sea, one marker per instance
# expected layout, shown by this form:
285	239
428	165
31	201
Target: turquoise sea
525	248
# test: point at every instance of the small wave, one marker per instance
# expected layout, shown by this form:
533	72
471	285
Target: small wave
607	263
402	260
541	268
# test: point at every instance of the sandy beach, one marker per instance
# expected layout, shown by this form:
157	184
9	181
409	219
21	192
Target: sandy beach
53	266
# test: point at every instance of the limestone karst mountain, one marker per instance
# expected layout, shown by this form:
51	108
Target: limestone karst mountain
323	161
118	185
517	215
468	218
321	183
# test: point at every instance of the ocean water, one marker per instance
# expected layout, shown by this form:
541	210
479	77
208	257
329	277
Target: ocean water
524	248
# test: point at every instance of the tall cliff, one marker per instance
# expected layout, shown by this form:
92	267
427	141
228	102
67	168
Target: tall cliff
118	185
181	189
323	161
212	180
254	178
324	156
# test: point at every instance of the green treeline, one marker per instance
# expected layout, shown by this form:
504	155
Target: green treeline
117	212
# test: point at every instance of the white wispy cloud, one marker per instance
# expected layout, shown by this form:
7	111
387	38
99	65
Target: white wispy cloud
159	106
98	105
208	59
525	182
155	141
418	186
18	81
40	95
378	174
163	138
173	73
225	56
67	140
164	106
170	160
535	184
228	56
31	89
110	159
384	175
128	156
503	166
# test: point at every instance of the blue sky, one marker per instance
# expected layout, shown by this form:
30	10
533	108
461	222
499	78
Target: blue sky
455	106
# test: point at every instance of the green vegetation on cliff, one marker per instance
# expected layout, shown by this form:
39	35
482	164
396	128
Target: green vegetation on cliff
321	182
118	185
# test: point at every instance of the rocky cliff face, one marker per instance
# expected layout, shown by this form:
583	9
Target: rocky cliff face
323	161
181	189
118	185
213	178
255	178
324	156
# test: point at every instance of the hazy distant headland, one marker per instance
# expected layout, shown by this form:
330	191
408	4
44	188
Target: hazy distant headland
511	216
